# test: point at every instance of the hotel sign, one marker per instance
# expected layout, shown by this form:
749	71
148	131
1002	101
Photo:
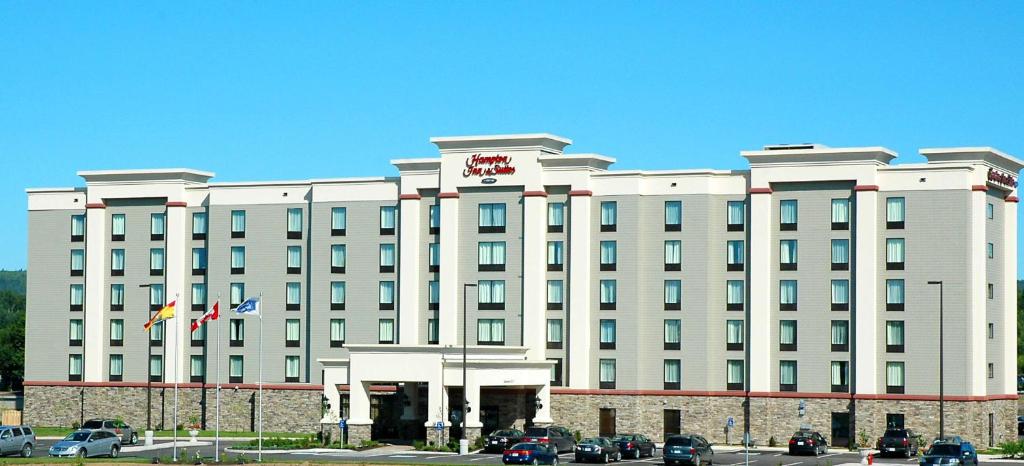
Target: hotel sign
488	166
1001	179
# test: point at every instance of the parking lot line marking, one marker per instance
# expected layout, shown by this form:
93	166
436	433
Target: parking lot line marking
793	464
777	454
436	457
827	455
402	456
480	458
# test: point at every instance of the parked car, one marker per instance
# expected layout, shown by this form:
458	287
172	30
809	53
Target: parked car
117	427
597	449
560	437
690	449
899	442
17	440
86	443
950	453
500	440
635	445
530	453
806	441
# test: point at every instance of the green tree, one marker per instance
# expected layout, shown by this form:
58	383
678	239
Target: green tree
12	340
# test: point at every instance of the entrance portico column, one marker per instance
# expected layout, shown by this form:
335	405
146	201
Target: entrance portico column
359	422
543	415
473	426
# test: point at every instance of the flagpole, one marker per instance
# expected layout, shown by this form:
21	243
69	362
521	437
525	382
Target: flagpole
216	437
260	441
177	362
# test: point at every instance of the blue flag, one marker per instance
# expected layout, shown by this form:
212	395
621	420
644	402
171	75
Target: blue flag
250	306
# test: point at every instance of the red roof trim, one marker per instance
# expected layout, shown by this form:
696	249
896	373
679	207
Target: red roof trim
223	386
979	187
176	204
737	393
581	192
373	388
95	205
760	191
454	195
590	391
1012	199
409	197
866	187
535	194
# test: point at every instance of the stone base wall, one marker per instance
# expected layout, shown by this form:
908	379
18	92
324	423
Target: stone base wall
359	433
283	410
512	408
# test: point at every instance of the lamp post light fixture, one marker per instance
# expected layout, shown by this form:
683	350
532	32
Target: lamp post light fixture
465	402
942	395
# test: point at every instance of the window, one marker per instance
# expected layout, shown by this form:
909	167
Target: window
990	250
555	298
198	261
787	295
991	290
492	218
609	214
156	368
734	335
840	295
840	214
237	293
554	334
894	377
196	371
432	332
117	262
606	422
734	295
115	371
991	370
734	374
894	253
156	261
291	368
672	374
787	215
74	367
338	258
156	334
673	216
237	259
491	256
386	258
198	297
787	376
490	331
735	216
608	255
199	335
116	332
386	331
434	257
556	372
76	332
386	298
840	375
77	227
673	255
238	224
77	297
199	225
894	295
339	221
555	256
787	335
491	294
607	295
157	226
840	335
433	295
156	297
607	334
734	255
387	220
606	373
991	331
77	262
895	210
840	254
672	422
292	300
673	334
337	296
236	332
294	265
787	254
434	219
894	421
291	333
117	227
990	211
337	333
235	368
673	295
556	217
295	223
894	336
117	297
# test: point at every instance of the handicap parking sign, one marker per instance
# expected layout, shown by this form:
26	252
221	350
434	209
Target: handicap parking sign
341	424
439	425
730	422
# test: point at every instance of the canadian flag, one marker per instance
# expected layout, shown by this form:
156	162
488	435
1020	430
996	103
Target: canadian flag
212	314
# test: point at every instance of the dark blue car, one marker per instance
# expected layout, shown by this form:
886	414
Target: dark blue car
530	453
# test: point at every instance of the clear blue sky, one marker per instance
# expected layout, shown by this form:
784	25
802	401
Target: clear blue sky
282	90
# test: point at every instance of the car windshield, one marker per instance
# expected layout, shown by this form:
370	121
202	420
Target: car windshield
678	441
537	432
944	450
503	433
896	433
77	437
803	435
92	425
525	446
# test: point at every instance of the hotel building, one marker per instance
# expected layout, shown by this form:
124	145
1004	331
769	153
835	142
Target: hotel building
796	293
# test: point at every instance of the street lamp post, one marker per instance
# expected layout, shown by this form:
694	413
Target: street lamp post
465	386
149	376
942	397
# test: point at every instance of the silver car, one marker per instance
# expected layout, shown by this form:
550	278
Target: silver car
86	443
17	440
117	427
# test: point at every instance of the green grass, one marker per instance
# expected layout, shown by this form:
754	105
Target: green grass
62	431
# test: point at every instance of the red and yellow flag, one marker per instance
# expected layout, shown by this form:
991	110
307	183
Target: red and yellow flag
166	313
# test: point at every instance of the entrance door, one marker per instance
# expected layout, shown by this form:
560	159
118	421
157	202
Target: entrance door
672	423
840	430
607	423
489	416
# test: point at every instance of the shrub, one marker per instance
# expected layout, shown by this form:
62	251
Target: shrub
578	435
478	443
772	442
1011	449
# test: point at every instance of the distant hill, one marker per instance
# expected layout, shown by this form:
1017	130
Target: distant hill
12	280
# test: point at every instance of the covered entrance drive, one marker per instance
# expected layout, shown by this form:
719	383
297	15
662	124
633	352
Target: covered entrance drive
489	369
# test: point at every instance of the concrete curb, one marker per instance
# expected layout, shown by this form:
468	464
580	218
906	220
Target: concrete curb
160	446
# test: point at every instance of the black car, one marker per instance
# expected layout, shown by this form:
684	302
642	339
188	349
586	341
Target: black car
689	449
597	449
558	437
500	440
950	453
634	445
809	442
899	442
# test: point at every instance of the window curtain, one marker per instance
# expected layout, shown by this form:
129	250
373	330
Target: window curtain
199	223
673	213
237	293
156	259
787	332
77	259
787	372
840	291
117	329
291	329
237	257
672	291
432	333
554	291
894	291
337	329
735	371
156	224
435	216
491	253
736	214
734	252
607	331
894	374
734	331
117	224
787	251
75	364
293	291
734	292
198	293
673	331
196	366
237	220
156	294
608	213
556	213
198	258
672	371
894	249
339	218
840	210
492	215
607	370
840	251
607	291
434	253
894	332
673	254
387	254
491	291
838	373
608	252
387	217
337	255
156	332
787	291
291	366
387	292
554	330
894	209
840	333
483	331
199	334
294	256
386	329
294	219
788	211
78	225
237	329
75	331
117	294
337	292
116	364
156	365
433	292
555	252
117	259
235	366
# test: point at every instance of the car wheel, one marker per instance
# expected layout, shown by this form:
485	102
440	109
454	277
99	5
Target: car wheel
26	451
696	460
618	456
604	459
636	455
114	450
534	462
906	454
135	438
82	453
554	462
